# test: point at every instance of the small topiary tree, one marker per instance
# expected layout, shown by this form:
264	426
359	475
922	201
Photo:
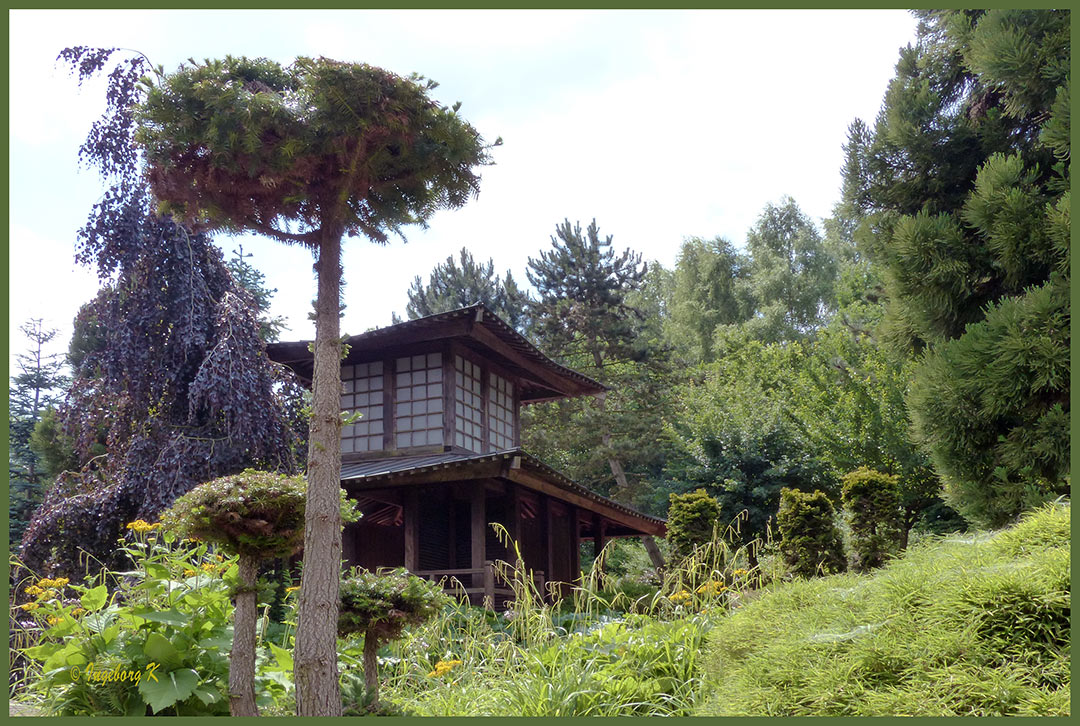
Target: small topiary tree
381	606
809	539
871	502
692	520
256	515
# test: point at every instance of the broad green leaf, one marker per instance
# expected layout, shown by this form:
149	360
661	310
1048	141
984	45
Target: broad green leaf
283	657
207	695
168	617
41	652
95	599
169	688
159	650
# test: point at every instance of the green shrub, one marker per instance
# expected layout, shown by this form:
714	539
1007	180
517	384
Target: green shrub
871	502
810	542
961	626
692	521
255	513
381	605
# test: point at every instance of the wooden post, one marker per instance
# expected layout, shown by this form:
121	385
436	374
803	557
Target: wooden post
548	537
575	543
477	525
449	393
599	530
412	531
513	518
489	585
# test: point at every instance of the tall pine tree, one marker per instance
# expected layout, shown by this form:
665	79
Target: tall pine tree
452	286
35	389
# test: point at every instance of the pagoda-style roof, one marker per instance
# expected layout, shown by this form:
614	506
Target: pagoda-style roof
475	327
515	465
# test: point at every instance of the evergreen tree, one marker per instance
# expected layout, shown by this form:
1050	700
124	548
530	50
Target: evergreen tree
35	390
451	286
791	274
963	186
254	281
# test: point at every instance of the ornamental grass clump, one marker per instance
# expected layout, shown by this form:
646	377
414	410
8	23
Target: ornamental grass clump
254	514
380	606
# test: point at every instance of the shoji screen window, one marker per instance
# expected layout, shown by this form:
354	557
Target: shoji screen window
418	400
362	392
468	405
501	412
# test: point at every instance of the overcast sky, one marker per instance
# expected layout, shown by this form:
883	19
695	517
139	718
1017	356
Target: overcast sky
660	125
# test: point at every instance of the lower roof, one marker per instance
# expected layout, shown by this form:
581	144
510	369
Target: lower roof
513	464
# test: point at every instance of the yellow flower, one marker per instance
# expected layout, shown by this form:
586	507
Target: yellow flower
208	566
34	590
52	620
29	606
712	587
443	667
680	596
141	526
219	558
292	589
77	612
739	572
188	573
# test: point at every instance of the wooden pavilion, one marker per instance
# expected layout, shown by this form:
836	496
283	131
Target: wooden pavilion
436	456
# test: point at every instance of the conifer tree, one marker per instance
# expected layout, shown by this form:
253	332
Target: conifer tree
963	185
451	286
36	388
254	281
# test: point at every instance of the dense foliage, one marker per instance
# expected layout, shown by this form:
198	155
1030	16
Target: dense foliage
254	513
871	503
451	286
170	376
963	184
810	541
693	519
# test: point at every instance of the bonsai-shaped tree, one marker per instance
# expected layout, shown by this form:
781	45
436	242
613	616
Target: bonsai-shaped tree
254	514
871	502
307	154
381	606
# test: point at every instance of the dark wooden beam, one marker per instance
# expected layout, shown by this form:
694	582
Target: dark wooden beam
537	483
412	531
478	525
548	377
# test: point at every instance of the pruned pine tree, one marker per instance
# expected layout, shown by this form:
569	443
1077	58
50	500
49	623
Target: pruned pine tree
452	285
308	154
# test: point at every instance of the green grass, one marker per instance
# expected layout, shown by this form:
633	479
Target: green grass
975	625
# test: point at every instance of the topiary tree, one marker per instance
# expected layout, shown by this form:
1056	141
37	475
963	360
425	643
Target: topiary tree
254	514
381	606
691	521
306	154
810	542
871	502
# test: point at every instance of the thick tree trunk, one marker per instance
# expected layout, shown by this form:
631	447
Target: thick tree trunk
315	671
371	667
655	556
242	658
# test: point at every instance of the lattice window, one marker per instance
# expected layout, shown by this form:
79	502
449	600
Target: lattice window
501	412
468	405
362	391
418	401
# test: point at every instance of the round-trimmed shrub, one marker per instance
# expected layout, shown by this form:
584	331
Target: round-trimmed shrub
810	542
692	520
871	502
381	605
256	515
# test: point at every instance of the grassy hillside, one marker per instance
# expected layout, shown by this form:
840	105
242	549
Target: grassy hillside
960	626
